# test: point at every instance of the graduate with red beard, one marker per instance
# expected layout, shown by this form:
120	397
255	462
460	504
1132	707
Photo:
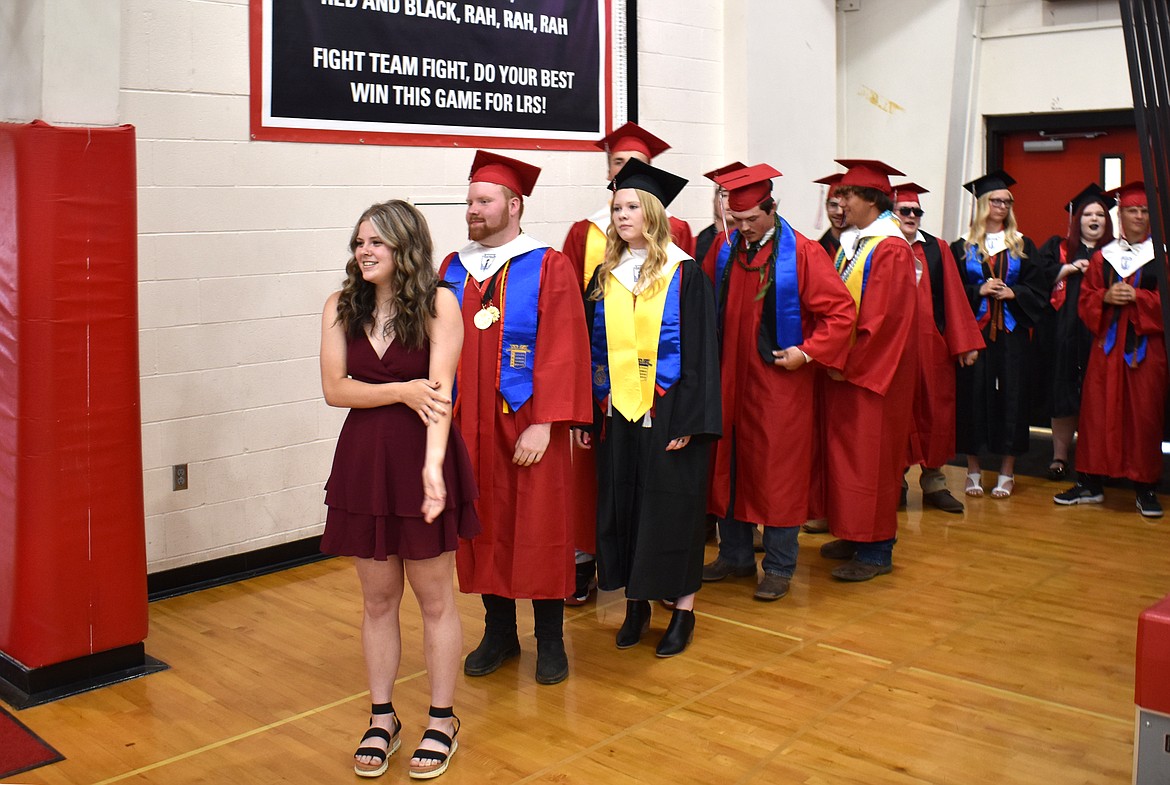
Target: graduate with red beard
523	379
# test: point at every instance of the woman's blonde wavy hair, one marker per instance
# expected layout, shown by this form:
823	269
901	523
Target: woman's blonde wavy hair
656	230
978	232
414	281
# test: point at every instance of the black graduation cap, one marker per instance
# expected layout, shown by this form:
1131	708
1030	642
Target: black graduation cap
992	181
651	179
1091	193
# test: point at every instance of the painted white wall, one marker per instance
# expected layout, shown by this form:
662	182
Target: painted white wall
918	77
59	61
781	99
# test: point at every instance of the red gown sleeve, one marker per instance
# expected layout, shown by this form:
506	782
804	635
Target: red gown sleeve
962	331
575	247
708	263
886	317
561	378
824	297
680	233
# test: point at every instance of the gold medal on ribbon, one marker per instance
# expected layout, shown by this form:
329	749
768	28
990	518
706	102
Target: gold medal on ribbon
486	317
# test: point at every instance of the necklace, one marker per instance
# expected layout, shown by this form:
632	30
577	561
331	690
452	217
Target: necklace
488	314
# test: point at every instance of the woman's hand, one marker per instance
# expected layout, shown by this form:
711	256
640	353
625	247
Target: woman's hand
424	397
679	443
582	439
531	445
990	288
969	358
434	492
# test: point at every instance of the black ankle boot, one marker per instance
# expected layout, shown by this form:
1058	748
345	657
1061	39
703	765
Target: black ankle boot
552	664
678	634
636	623
491	653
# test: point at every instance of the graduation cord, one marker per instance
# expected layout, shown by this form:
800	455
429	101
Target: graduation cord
764	269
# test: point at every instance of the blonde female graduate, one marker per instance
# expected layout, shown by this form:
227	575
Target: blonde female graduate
1008	289
401	493
651	316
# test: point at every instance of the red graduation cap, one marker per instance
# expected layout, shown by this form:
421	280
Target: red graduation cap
749	186
831	180
515	175
715	174
867	173
1130	194
908	193
632	137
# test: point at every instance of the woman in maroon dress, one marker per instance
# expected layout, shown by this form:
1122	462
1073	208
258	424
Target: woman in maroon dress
401	492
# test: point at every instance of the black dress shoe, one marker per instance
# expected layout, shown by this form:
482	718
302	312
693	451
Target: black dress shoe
552	664
636	623
492	652
678	634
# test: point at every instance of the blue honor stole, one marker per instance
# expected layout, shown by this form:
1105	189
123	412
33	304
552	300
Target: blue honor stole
975	274
669	368
1134	356
518	302
785	283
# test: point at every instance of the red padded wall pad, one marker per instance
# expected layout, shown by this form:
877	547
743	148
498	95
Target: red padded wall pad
72	534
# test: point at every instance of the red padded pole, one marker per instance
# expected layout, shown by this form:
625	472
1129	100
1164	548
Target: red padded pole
72	534
1152	676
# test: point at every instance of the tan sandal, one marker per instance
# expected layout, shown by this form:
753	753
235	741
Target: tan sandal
1004	485
381	756
973	487
436	762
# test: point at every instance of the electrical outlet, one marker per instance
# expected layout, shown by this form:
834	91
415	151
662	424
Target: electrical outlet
179	477
848	5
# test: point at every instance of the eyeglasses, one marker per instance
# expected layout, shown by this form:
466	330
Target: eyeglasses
906	212
1001	202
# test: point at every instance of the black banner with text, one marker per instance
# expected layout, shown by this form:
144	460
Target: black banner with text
511	73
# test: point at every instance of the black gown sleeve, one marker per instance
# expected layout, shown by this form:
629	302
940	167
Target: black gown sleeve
696	408
1032	289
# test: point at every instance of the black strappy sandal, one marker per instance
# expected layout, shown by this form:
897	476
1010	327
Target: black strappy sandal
436	762
1057	469
382	756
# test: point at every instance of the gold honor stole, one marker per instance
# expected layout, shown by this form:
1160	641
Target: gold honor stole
633	324
855	272
594	250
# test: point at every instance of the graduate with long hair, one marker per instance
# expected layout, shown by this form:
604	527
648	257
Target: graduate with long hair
651	317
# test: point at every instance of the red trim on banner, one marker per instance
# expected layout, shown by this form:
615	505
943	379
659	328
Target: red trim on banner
261	132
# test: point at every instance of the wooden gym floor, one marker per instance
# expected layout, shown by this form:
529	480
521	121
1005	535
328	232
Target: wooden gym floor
1001	650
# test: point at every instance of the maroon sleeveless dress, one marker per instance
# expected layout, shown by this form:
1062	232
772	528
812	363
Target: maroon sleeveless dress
375	491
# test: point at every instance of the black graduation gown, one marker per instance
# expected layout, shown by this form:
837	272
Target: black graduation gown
992	396
651	504
1062	342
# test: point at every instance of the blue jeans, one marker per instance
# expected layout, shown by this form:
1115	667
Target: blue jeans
880	553
780	546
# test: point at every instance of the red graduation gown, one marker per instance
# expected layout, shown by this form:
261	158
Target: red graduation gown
583	485
768	414
526	547
867	419
1122	408
932	436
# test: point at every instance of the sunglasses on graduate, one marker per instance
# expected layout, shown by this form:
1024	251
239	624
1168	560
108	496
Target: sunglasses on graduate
906	212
